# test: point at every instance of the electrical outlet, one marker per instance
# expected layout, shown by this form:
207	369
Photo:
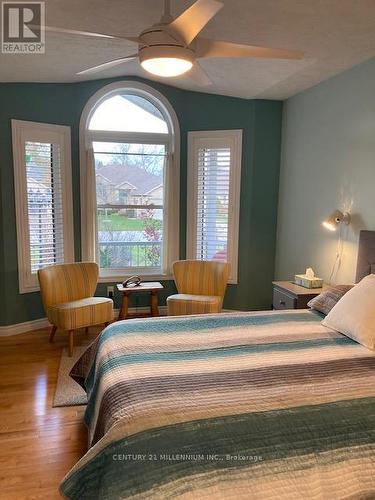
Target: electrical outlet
110	291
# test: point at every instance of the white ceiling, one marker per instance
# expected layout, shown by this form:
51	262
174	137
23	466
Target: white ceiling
333	34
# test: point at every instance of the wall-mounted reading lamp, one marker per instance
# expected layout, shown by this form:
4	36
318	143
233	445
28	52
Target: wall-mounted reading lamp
335	219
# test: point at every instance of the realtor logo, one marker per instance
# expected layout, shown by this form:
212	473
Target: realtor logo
23	28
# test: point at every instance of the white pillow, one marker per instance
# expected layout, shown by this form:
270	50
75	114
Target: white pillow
354	313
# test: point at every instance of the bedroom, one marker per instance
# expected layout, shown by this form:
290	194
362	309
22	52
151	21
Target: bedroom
300	133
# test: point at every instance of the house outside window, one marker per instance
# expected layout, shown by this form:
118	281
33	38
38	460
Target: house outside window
131	179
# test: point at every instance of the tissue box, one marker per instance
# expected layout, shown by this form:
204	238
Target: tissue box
303	280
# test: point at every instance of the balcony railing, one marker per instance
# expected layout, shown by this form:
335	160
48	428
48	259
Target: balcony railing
118	254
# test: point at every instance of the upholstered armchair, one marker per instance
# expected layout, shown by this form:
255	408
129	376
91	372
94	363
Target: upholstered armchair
201	287
67	292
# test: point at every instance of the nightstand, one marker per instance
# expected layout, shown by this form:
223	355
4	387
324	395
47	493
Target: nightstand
287	295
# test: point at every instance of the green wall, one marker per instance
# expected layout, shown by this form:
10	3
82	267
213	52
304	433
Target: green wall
328	162
63	103
2	275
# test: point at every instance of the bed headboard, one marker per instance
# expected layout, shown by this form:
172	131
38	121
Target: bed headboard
366	255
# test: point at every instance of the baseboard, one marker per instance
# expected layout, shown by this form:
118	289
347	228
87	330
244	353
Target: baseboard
38	324
27	326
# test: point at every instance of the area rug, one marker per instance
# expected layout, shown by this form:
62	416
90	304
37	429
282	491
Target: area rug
68	392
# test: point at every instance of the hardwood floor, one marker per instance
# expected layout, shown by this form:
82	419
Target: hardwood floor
38	443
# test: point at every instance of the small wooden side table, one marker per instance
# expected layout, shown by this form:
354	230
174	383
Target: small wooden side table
288	295
152	287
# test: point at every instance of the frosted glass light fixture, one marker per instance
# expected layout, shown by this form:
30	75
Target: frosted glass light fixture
167	61
167	66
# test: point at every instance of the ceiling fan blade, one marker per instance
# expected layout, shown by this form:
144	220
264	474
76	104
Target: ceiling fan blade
106	65
217	48
194	19
55	29
198	74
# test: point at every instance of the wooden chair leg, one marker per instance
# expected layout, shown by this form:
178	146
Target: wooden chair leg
71	342
52	334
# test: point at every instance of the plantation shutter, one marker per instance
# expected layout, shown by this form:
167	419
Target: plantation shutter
44	204
43	194
214	170
213	184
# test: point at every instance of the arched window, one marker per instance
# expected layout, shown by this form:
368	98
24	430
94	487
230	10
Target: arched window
130	181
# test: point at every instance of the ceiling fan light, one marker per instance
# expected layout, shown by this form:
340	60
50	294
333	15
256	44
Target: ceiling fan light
167	66
166	60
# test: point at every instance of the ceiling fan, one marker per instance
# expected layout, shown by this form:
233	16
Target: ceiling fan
171	47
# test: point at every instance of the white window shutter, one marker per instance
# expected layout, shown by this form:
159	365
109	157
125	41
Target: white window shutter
214	169
213	178
44	204
42	174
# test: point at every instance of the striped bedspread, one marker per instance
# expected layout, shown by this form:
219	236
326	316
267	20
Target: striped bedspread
267	405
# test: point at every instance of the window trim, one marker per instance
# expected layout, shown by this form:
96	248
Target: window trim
23	131
88	195
198	139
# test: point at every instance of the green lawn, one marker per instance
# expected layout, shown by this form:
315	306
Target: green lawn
117	222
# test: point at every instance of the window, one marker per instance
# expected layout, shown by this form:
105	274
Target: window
42	174
131	179
214	174
130	207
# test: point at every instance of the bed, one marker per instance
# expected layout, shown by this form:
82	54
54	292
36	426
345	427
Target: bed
264	405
